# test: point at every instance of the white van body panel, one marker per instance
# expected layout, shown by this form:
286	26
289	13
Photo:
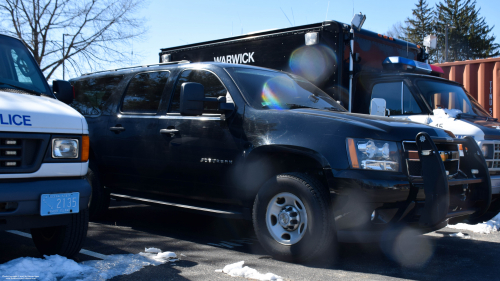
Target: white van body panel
38	114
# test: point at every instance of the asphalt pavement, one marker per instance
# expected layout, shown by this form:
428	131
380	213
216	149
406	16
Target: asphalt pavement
204	244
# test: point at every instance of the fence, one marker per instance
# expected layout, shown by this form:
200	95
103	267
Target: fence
480	77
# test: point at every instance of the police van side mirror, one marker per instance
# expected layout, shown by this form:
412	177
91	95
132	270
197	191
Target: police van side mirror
378	107
192	97
63	91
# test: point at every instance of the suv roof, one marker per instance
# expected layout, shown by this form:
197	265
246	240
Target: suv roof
168	65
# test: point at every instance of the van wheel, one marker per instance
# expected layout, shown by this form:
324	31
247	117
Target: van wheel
291	218
99	197
65	240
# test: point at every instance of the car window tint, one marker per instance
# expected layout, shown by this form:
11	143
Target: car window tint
212	85
410	105
391	93
144	92
91	94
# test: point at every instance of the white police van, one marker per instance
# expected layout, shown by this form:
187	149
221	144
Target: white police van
44	151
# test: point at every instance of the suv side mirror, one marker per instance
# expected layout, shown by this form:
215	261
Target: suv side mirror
378	107
63	91
192	97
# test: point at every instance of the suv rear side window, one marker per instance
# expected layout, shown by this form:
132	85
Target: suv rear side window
91	94
213	89
144	92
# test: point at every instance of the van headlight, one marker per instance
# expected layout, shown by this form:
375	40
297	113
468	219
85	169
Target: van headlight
371	154
64	148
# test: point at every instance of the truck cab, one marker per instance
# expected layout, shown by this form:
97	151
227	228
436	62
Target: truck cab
43	155
420	95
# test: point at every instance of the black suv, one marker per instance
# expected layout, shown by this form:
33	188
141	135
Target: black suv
260	144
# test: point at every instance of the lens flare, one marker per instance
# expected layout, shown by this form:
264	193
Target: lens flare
274	88
269	98
315	63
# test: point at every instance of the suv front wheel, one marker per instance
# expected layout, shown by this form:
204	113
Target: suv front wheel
291	217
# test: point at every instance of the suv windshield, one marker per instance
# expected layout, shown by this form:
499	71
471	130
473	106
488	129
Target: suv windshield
444	95
266	89
18	69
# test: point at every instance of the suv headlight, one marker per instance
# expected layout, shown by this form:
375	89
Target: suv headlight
373	154
64	148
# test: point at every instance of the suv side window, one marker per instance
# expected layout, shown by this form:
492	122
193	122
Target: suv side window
398	97
91	94
213	89
144	92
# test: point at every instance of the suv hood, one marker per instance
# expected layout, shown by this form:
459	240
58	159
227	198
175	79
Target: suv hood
38	114
385	127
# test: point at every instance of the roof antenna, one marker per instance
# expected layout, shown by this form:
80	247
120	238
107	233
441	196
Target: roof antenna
241	24
286	17
327	7
293	16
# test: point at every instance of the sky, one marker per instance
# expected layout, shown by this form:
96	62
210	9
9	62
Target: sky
174	23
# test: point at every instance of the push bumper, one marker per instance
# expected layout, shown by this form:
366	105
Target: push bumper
27	195
366	218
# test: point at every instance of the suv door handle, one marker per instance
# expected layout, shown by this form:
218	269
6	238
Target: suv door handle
117	129
169	131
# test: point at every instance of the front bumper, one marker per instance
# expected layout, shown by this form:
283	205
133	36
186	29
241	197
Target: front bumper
27	194
369	202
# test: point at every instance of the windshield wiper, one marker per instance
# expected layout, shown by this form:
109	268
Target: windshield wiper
22	89
334	109
296	106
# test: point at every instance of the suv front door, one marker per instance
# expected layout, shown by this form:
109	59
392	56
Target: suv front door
207	146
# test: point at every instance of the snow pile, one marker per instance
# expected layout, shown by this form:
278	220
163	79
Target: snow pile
488	227
460	235
159	256
446	113
237	270
55	267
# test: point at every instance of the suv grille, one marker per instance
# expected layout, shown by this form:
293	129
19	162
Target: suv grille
21	153
449	154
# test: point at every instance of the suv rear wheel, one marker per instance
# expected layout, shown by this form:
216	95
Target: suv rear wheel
291	217
65	240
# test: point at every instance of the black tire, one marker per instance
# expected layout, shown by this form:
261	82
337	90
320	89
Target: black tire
65	240
99	197
319	236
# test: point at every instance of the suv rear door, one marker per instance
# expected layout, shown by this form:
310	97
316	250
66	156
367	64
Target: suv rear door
131	150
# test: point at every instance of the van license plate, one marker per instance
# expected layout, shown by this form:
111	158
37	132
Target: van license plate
60	203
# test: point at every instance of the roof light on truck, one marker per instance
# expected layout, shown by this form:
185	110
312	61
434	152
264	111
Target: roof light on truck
311	38
404	64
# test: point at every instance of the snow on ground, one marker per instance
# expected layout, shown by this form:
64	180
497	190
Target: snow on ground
460	235
55	267
488	227
237	269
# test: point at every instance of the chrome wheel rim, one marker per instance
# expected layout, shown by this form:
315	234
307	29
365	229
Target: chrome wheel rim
286	218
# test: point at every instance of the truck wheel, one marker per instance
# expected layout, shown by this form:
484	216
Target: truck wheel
291	218
99	197
65	240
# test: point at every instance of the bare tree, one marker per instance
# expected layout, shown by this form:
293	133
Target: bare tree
95	31
398	30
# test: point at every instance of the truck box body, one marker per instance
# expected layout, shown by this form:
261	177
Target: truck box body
326	63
